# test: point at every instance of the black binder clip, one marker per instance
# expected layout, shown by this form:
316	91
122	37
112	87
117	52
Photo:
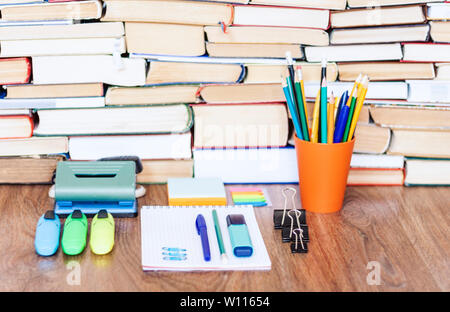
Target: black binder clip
279	215
299	245
287	232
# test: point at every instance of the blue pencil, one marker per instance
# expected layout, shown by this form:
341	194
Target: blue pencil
340	124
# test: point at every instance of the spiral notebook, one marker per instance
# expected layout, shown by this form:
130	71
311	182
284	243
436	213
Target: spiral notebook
170	241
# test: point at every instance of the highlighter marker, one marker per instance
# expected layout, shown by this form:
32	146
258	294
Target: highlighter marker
241	243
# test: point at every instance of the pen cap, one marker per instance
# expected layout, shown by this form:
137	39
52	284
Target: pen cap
239	236
323	171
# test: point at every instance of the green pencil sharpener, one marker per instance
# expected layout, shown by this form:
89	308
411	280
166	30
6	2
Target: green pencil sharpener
239	236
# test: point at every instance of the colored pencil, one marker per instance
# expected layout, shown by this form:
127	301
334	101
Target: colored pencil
355	86
292	109
336	106
349	120
315	124
323	104
358	107
291	79
302	85
331	119
301	109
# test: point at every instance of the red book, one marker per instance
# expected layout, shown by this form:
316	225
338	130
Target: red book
15	70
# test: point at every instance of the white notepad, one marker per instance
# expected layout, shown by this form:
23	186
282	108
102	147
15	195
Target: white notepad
174	227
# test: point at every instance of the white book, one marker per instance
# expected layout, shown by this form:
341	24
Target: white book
374	3
33	23
210	60
395	90
277	16
387	102
44	103
89	69
254	165
46	47
9	112
318	4
438	11
426	52
61	30
377	161
165	227
427	172
114	120
435	91
354	53
383	34
160	146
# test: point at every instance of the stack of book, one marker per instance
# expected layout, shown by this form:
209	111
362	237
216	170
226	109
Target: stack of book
168	80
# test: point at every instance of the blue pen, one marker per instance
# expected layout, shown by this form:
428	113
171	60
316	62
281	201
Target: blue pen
342	102
202	230
340	125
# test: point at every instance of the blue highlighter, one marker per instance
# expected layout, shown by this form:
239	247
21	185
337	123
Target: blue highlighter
241	243
46	241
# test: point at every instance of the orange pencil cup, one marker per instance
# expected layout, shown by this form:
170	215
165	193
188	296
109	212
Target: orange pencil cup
323	172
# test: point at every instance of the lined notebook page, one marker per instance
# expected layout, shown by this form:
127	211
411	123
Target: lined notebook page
174	227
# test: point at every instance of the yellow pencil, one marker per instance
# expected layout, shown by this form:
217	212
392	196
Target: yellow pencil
336	106
358	107
355	85
330	127
315	124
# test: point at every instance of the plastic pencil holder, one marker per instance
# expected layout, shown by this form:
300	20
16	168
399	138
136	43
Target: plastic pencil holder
323	171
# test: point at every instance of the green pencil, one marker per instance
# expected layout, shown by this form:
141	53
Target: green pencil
349	120
301	109
323	104
219	236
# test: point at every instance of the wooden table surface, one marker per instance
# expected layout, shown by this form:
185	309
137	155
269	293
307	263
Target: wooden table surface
406	230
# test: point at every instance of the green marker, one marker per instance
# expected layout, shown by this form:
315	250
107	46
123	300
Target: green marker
74	236
219	236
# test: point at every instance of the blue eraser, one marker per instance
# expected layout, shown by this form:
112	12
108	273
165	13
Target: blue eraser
46	240
239	236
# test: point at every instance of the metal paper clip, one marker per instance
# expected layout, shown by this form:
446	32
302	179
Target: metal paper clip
279	216
296	247
286	233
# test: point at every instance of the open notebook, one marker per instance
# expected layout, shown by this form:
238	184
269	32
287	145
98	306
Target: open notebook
174	227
